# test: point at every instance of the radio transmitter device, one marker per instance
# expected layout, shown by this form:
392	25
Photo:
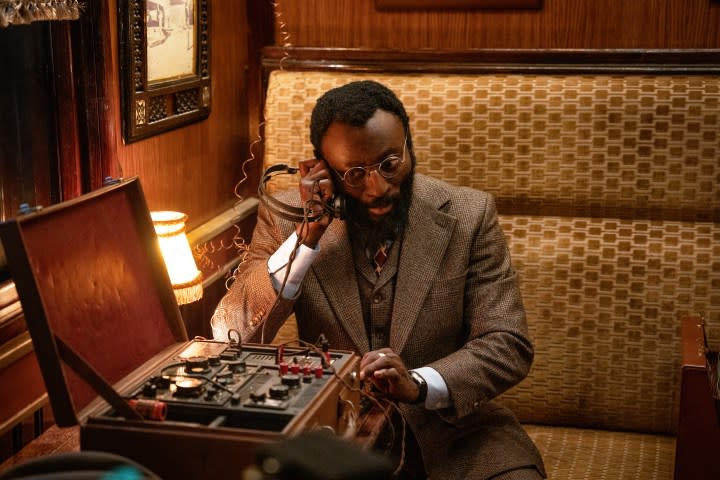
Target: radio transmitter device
116	360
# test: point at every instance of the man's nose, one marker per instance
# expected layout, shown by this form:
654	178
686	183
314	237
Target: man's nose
375	184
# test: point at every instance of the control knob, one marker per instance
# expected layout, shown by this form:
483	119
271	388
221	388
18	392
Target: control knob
291	380
279	392
197	364
236	366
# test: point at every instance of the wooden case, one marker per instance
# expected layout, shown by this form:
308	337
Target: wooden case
698	436
103	319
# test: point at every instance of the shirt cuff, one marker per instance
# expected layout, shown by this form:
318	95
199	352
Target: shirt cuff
438	395
277	266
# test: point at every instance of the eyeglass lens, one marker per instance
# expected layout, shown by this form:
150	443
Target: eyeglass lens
388	168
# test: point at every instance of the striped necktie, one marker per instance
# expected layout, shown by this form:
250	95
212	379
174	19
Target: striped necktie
380	258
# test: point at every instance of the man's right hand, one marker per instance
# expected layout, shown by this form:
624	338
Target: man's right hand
316	188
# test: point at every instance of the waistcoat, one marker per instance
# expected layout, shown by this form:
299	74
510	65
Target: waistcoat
377	293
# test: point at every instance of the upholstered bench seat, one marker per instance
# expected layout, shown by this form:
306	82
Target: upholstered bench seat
591	454
608	189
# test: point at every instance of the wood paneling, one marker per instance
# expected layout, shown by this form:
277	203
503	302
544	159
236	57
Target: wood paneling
27	118
194	168
98	94
597	24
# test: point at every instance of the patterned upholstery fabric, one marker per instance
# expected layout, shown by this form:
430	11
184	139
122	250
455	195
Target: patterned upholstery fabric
639	143
588	454
603	297
608	187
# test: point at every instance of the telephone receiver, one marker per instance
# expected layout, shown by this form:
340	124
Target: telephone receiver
335	207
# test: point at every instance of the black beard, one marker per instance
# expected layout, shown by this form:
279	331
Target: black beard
371	232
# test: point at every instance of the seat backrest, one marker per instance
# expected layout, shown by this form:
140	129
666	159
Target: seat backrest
608	191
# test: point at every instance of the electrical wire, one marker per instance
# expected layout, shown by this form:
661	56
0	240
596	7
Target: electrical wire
202	253
382	403
301	235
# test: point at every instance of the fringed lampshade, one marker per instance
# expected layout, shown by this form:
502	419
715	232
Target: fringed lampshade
185	277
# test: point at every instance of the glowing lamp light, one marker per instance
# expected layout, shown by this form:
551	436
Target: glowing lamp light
185	277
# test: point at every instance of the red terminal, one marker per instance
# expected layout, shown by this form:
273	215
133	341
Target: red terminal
149	409
283	368
318	372
306	370
295	368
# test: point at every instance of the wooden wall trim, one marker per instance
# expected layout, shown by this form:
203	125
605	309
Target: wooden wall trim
696	61
209	230
455	4
7	424
13	350
67	133
25	394
215	229
12	325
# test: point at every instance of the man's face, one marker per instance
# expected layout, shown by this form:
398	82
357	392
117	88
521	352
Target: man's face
376	204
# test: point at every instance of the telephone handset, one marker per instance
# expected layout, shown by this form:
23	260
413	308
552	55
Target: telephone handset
335	207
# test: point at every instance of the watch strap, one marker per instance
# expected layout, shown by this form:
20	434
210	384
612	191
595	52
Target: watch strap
422	386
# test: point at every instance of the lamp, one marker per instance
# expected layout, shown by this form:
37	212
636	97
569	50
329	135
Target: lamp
185	277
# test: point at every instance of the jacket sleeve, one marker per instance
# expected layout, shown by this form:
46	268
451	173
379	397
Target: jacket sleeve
498	352
251	304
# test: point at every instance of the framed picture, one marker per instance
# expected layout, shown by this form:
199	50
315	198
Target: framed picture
165	65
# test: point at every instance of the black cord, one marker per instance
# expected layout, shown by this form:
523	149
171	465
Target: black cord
304	226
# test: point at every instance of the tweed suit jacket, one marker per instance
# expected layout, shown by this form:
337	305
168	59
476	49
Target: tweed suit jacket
457	309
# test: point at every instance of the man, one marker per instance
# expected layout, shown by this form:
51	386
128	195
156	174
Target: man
440	323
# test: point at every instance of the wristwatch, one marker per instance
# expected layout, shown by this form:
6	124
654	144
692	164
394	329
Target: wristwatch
422	385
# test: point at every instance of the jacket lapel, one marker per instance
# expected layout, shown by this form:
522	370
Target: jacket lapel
335	271
425	240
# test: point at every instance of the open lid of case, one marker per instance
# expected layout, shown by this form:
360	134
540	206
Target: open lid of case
91	278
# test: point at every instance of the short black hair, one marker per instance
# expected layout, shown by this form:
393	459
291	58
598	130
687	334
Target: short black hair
354	104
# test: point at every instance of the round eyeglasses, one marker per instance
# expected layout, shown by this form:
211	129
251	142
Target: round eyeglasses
388	168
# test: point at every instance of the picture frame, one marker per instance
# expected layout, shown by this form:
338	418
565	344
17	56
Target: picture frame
164	65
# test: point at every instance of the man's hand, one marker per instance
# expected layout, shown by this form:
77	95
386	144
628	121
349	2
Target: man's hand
316	189
386	370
